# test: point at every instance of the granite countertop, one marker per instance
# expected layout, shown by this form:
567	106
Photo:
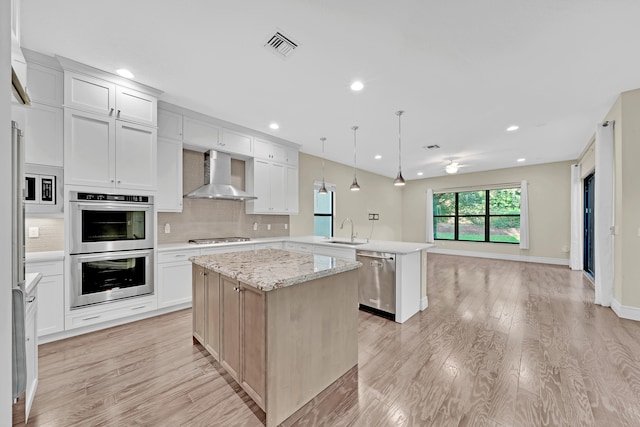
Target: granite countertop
269	269
373	245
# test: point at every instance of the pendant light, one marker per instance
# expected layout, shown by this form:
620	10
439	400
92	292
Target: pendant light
323	188
399	181
354	184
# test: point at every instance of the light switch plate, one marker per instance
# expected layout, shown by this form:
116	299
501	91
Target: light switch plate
167	228
34	232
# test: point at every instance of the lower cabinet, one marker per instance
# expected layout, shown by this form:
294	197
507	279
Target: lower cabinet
174	278
229	320
31	337
50	295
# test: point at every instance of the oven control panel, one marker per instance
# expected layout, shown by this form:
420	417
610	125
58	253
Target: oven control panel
102	197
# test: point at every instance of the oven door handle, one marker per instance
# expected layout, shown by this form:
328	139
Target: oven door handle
112	255
113	206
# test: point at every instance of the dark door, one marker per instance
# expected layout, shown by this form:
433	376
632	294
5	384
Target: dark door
589	186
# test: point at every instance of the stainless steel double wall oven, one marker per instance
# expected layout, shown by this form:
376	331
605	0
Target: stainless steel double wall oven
111	244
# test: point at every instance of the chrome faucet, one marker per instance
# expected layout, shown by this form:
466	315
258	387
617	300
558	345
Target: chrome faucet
353	236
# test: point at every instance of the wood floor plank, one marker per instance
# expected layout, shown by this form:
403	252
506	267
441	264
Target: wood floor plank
502	344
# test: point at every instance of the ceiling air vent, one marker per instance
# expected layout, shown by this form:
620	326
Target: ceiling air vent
431	147
281	45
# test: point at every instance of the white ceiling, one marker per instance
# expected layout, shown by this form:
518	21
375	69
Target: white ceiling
462	70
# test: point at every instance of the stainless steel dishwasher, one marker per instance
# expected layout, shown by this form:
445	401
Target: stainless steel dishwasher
377	282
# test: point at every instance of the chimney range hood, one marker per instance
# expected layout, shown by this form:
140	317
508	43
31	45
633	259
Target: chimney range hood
217	176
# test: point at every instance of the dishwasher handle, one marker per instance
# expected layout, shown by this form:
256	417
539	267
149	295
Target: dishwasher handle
390	258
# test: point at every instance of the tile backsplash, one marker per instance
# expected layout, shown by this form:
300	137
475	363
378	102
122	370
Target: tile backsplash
215	218
50	234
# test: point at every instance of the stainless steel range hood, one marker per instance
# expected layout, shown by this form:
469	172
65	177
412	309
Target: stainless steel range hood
217	176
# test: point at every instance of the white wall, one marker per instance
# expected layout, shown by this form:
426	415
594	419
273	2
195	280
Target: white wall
377	195
549	209
5	214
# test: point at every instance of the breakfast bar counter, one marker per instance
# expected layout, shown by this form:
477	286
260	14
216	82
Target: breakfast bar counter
283	324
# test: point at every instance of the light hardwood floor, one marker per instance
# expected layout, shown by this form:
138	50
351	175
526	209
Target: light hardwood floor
501	344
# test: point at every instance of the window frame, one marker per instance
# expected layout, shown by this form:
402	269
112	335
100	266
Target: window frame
324	214
487	217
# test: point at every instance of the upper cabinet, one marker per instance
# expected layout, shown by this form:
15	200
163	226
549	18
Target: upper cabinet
199	135
236	142
110	135
269	151
169	125
87	93
45	84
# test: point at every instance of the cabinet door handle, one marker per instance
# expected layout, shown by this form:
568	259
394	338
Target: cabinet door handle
111	111
91	318
118	113
113	180
138	308
31	299
237	289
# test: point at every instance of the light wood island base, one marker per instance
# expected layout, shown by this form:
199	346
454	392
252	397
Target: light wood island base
283	346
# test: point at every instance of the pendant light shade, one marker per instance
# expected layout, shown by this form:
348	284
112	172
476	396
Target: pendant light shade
323	188
399	181
354	184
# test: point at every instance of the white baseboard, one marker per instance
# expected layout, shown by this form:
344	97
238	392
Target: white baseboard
625	312
424	303
506	257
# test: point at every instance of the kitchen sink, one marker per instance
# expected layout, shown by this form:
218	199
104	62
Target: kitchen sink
346	243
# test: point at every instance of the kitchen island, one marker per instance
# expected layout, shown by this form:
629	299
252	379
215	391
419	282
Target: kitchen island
283	324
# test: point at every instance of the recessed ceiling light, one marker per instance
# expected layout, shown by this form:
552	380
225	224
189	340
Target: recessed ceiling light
125	73
521	159
420	173
274	126
377	157
513	128
357	86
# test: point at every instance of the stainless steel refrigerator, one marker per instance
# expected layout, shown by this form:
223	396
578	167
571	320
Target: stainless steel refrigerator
17	265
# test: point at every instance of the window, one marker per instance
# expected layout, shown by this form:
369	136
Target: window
322	213
478	216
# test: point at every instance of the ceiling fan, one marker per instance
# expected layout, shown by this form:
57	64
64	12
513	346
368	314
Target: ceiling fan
453	167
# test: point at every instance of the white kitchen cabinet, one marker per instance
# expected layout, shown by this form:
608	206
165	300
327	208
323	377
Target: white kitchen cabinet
291	156
50	295
275	186
101	313
92	94
43	132
174	277
103	152
169	196
269	151
45	85
89	149
291	190
236	143
169	125
298	247
200	135
135	156
135	106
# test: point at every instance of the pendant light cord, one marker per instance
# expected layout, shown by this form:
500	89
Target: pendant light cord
399	113
355	128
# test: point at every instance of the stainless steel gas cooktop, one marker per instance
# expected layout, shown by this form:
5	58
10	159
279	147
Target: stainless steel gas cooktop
214	240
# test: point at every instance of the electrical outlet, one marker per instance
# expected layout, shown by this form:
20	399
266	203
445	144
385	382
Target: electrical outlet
374	216
34	232
255	226
167	228
268	226
286	227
